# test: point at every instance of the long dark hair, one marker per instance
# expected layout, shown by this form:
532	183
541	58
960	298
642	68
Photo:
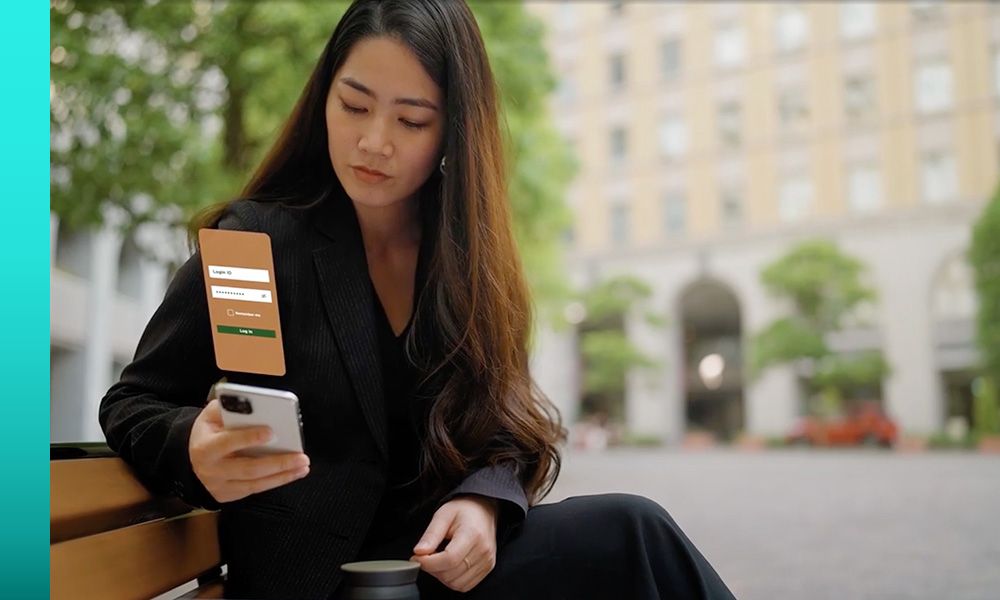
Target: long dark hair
476	306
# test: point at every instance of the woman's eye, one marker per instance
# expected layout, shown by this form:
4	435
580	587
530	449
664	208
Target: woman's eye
412	125
351	109
357	111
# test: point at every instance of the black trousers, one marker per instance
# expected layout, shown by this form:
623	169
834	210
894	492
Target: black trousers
602	547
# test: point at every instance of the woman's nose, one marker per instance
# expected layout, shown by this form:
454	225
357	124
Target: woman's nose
375	138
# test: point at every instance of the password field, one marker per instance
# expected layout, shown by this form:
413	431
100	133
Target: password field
222	292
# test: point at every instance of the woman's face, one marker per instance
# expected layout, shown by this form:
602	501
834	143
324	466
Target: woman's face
383	113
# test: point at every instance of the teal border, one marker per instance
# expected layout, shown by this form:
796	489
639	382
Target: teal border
24	91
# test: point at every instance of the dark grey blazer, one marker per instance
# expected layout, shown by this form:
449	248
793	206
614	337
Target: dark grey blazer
289	541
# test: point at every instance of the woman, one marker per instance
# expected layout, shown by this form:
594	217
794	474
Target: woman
406	320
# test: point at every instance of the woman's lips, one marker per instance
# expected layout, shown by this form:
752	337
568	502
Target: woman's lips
368	176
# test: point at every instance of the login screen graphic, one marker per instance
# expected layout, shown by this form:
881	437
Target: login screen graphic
242	301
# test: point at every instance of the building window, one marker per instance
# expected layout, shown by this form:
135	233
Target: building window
670	59
674	213
859	97
619	224
933	86
129	282
791	28
793	110
795	199
73	250
730	123
864	189
619	144
857	20
939	177
731	207
616	66
673	137
730	45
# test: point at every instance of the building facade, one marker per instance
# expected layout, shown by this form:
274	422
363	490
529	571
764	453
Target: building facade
713	136
104	285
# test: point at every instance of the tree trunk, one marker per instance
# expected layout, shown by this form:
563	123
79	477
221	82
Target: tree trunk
235	152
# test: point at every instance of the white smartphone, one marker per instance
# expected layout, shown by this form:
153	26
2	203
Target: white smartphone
251	406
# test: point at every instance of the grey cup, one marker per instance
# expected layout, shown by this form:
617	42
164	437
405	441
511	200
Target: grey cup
382	580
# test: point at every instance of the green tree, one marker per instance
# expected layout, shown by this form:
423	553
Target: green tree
173	105
984	254
607	353
821	286
985	407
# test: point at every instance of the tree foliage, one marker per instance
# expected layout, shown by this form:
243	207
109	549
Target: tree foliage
984	255
607	353
609	356
822	283
986	407
821	286
609	301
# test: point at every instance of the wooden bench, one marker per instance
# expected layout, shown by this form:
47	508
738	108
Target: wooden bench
111	538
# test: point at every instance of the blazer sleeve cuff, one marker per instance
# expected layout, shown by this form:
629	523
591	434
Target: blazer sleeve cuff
186	484
501	483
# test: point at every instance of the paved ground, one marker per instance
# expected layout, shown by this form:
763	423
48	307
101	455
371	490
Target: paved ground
814	524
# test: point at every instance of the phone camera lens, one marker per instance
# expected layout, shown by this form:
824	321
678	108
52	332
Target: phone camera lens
236	404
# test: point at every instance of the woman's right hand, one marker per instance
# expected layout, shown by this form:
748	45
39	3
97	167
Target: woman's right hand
227	475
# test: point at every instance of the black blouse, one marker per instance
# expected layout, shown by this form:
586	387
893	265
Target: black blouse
400	377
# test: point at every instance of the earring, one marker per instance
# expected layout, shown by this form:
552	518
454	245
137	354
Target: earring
443	158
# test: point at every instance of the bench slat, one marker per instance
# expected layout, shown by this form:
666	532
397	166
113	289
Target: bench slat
92	495
140	561
211	590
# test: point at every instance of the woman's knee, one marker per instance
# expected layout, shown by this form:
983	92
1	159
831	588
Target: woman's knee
639	506
621	517
632	507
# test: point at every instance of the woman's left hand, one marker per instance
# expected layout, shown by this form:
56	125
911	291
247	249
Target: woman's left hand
470	525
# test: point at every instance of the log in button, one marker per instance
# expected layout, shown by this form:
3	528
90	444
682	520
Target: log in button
254	331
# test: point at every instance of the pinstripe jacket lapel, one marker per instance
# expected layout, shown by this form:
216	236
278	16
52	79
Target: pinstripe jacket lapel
347	296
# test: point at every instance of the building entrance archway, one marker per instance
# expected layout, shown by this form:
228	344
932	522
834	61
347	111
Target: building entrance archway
712	347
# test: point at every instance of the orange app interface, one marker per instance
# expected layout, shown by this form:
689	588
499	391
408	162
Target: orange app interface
242	301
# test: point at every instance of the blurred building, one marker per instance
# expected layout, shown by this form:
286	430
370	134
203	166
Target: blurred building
103	289
714	136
